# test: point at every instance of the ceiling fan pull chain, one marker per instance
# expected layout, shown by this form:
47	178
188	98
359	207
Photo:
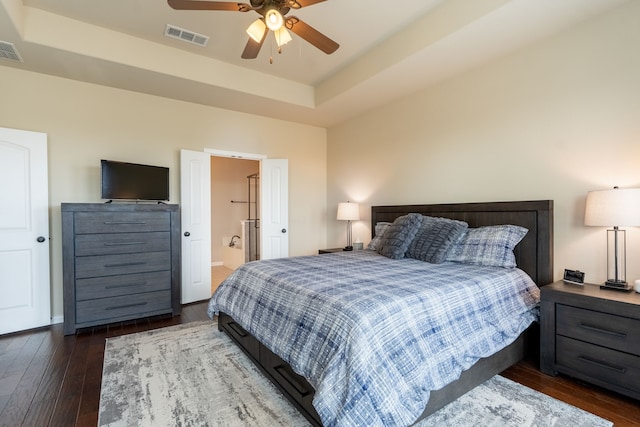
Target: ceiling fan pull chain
271	52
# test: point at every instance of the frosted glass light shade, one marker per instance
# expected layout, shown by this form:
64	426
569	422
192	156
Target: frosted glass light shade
282	36
256	30
274	20
615	207
348	211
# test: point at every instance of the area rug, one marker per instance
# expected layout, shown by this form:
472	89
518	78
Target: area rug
193	375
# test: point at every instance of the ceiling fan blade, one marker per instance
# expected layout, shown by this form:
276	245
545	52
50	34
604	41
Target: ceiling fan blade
297	4
209	5
312	35
252	48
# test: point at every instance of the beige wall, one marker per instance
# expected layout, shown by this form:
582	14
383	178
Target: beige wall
550	122
87	122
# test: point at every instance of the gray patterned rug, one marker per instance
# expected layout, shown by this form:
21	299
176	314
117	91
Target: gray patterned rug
193	375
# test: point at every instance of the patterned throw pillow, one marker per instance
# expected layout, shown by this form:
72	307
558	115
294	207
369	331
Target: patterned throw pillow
435	238
398	237
381	227
488	246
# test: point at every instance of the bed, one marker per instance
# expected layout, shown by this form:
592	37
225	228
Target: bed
259	323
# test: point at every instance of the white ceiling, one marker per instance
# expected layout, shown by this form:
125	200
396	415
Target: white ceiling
387	50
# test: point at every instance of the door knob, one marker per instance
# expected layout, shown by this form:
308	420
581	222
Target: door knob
284	230
187	234
40	239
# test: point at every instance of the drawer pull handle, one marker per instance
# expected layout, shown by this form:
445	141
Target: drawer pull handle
126	285
603	331
124	222
124	264
284	373
237	329
124	243
600	363
118	307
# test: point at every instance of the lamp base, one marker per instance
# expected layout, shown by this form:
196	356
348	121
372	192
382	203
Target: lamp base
347	248
616	285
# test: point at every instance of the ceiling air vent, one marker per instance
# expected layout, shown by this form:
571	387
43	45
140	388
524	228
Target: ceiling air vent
185	35
9	51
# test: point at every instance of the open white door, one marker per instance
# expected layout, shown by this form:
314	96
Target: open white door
25	294
195	203
274	219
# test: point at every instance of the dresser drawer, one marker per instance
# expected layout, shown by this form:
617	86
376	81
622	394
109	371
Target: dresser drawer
113	265
122	243
121	222
117	308
110	286
599	364
608	330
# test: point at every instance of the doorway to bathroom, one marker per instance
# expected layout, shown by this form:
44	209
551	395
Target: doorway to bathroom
196	210
235	215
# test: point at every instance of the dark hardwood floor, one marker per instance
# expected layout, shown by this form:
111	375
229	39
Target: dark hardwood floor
47	379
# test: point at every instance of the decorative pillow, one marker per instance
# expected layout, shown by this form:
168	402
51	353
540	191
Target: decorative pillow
435	238
489	246
398	237
381	227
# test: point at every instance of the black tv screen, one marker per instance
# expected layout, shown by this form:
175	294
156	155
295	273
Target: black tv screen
131	181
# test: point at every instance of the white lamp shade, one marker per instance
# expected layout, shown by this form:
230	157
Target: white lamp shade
613	208
282	36
348	211
256	30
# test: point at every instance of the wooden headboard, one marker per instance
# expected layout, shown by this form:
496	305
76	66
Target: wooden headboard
534	254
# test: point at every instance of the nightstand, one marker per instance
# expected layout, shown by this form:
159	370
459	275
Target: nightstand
329	251
591	334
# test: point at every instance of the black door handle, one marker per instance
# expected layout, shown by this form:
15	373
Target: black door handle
40	239
187	234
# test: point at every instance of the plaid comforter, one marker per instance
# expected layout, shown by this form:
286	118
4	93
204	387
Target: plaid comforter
374	335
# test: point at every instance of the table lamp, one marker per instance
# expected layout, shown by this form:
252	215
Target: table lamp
614	208
348	211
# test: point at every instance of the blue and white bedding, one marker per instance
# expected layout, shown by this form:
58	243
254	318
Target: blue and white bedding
375	335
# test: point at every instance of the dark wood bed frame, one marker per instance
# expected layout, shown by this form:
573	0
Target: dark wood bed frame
534	255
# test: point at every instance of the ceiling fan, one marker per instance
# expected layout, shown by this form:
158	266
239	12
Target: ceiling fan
273	17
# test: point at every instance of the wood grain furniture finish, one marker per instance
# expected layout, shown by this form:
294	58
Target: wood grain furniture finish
591	334
329	251
120	262
534	255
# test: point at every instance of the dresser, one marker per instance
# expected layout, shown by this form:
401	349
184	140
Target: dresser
121	261
591	334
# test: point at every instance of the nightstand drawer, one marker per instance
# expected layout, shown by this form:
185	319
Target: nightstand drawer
598	364
608	330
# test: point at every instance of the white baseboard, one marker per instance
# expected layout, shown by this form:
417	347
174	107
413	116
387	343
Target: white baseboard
57	319
216	264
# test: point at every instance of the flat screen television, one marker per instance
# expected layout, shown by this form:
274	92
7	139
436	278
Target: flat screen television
132	181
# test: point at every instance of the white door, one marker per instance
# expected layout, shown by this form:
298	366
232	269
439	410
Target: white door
195	203
25	294
274	219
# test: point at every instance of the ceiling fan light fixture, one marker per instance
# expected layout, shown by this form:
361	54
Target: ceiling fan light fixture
274	19
256	30
282	36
